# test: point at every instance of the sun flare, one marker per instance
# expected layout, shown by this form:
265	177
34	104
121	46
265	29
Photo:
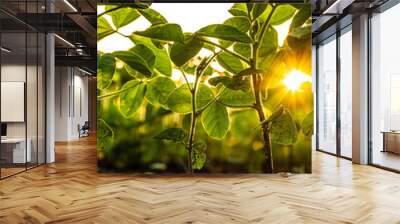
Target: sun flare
295	79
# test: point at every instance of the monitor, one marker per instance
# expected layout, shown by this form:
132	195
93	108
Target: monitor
3	129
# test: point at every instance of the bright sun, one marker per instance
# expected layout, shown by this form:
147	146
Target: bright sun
294	80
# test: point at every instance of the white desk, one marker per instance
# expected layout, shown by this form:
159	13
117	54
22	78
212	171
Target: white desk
19	155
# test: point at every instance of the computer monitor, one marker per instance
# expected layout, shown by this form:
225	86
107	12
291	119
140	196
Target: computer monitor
3	129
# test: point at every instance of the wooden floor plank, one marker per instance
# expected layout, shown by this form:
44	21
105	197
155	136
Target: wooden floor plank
71	191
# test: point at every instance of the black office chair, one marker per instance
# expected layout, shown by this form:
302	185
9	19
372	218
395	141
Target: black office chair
84	130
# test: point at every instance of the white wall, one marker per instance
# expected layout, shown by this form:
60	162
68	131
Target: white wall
71	102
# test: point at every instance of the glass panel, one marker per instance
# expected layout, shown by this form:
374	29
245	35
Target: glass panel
41	99
346	94
32	96
14	152
385	84
327	96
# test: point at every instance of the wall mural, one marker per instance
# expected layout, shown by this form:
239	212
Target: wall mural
231	96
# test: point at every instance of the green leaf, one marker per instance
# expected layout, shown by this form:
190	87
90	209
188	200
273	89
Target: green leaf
301	17
200	146
249	71
234	83
276	114
268	49
238	9
103	28
134	61
242	49
145	53
224	32
283	129
105	71
182	52
124	16
172	134
163	63
199	158
237	98
241	23
215	120
307	126
153	16
158	90
303	32
163	32
230	63
132	98
282	14
105	135
258	9
180	100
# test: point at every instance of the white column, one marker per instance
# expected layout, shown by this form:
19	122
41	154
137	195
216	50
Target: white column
360	90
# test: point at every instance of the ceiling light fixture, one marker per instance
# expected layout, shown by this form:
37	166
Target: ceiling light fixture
70	5
5	50
64	40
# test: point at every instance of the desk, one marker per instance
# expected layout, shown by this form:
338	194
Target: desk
16	147
391	141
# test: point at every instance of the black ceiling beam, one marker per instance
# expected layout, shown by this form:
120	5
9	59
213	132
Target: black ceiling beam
130	2
79	61
49	22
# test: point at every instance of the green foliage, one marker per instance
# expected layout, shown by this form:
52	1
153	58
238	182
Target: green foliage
234	83
224	32
215	120
238	98
199	156
283	129
307	126
180	100
158	90
238	9
153	16
172	134
230	63
226	114
163	62
301	17
105	70
104	134
258	9
132	97
124	16
163	32
103	28
282	14
183	52
135	61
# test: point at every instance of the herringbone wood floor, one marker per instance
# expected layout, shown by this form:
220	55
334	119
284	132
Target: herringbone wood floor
71	191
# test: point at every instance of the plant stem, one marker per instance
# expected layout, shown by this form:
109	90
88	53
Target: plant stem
194	113
258	106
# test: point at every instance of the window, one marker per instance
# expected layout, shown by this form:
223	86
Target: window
327	96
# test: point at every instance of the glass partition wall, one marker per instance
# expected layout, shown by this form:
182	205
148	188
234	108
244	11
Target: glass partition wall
334	94
385	89
22	77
